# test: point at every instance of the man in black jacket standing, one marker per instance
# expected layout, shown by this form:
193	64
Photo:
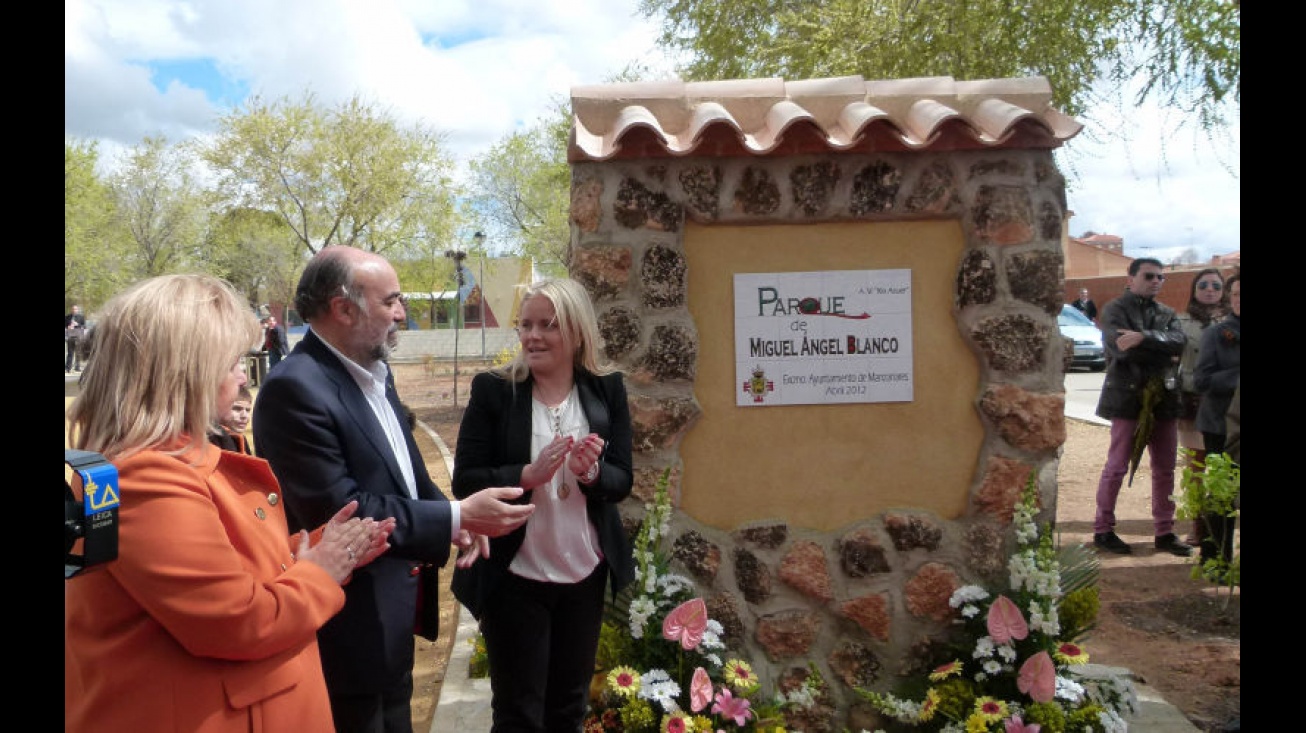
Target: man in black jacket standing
330	424
1142	339
274	341
1086	305
74	329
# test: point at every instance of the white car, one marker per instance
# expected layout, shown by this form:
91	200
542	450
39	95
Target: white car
1077	327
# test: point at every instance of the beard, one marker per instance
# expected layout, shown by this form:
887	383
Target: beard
383	350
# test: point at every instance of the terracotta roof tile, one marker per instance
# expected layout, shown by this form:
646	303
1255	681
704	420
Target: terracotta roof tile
846	113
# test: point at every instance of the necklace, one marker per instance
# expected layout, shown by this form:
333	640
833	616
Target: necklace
555	421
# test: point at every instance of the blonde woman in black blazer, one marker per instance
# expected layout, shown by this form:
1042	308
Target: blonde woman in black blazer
557	423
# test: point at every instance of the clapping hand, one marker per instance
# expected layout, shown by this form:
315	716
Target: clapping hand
584	455
347	542
541	470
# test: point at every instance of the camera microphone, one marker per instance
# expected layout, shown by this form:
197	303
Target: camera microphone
92	520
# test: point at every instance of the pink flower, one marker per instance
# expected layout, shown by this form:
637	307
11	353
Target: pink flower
1015	725
1038	677
728	706
1005	621
686	623
700	690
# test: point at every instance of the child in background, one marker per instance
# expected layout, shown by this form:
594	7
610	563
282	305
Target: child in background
230	431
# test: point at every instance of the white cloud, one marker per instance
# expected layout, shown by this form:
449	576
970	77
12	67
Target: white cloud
479	69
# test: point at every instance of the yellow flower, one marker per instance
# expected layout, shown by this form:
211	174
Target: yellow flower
944	671
1070	653
624	681
740	675
977	724
991	710
929	704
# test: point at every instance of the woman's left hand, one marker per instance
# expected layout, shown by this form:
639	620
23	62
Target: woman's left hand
584	455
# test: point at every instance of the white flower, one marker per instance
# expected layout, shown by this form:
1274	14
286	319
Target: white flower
641	609
983	647
1111	722
673	585
1069	690
967	594
993	666
658	687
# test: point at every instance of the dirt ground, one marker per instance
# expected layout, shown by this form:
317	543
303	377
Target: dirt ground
1174	633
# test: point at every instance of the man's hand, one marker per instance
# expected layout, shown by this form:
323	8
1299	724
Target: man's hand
470	548
487	512
1126	339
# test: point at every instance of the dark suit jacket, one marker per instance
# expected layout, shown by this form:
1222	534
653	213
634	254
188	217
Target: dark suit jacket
326	447
494	446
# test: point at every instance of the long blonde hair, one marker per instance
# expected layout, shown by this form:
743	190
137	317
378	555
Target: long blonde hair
159	353
576	322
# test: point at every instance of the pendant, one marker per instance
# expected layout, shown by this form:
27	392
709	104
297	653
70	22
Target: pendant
564	490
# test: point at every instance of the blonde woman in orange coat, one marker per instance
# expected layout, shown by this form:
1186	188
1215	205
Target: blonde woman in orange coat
207	619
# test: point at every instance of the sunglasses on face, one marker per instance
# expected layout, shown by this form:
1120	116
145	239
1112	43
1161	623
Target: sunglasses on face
1150	276
1204	284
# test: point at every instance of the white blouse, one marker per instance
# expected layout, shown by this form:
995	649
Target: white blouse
561	545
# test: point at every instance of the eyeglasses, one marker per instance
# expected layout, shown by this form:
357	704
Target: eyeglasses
1150	276
1204	284
525	327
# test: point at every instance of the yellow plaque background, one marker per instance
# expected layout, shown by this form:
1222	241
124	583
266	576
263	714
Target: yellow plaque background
827	466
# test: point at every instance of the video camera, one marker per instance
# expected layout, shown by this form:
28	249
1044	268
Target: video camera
94	518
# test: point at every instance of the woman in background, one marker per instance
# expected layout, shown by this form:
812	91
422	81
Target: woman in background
1206	304
1219	370
207	620
556	423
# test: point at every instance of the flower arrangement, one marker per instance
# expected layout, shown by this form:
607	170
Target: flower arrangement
1013	665
662	663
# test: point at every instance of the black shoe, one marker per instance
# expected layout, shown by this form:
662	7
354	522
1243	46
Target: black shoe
1171	544
1111	543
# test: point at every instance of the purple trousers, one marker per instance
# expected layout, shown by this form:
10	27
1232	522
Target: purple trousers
1161	451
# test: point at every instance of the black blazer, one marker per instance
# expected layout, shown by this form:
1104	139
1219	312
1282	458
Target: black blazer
494	446
326	447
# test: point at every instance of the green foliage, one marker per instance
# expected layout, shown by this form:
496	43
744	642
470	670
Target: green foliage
350	174
158	201
1212	489
478	665
92	238
1153	392
522	186
1187	52
256	252
1079	603
1078	611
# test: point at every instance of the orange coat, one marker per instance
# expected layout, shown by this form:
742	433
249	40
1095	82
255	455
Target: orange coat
204	622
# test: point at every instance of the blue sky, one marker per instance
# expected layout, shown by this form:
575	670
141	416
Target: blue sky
479	69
